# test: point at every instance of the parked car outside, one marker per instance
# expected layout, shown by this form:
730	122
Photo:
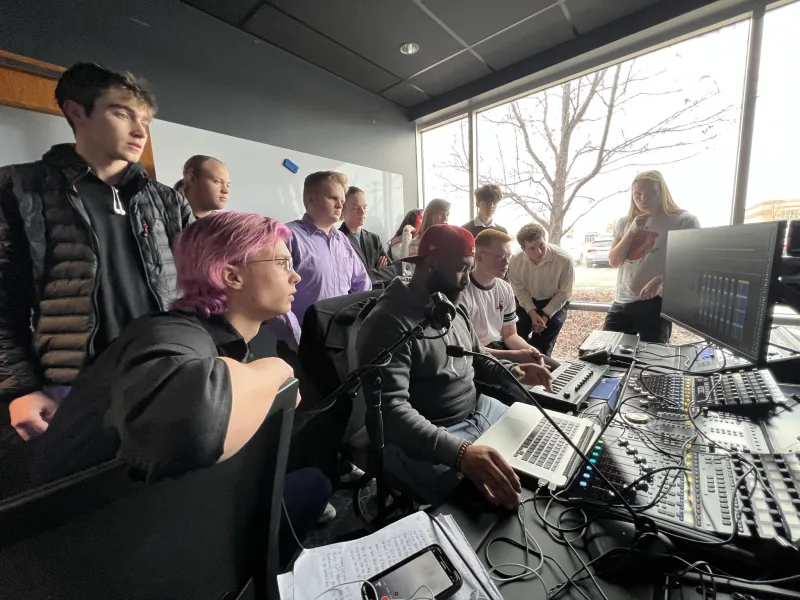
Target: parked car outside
597	253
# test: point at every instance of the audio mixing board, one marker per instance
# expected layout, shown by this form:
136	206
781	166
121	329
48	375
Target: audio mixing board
716	489
743	392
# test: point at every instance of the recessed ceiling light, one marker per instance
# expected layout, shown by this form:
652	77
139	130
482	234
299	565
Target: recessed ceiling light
409	48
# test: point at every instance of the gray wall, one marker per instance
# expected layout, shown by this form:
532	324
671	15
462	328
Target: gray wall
208	75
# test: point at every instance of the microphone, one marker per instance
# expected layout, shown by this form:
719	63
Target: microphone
459	352
440	311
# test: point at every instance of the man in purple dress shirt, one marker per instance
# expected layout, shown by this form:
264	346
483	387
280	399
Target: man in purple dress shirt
322	256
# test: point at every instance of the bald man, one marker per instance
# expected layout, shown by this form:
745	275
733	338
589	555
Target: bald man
205	184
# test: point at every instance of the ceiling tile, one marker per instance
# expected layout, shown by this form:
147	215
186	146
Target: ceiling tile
405	95
232	11
543	32
451	74
474	20
591	14
376	29
275	27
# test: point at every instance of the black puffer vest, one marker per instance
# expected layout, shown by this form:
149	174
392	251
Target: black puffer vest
63	258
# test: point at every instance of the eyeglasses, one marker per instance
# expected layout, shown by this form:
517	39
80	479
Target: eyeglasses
499	257
288	264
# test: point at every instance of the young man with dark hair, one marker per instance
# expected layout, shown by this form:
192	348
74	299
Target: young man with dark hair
487	197
367	245
432	411
85	244
206	183
541	276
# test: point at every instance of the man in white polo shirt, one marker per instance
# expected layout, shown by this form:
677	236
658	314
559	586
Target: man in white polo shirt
541	276
490	302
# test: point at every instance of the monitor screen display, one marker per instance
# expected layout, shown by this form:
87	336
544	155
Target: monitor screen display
718	283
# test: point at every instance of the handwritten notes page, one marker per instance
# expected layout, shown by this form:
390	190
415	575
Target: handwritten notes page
323	568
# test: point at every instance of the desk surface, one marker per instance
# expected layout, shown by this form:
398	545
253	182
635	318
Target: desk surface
480	527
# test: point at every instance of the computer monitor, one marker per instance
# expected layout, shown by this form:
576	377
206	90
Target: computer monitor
719	284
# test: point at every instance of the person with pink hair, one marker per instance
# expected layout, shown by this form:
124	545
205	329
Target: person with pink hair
177	391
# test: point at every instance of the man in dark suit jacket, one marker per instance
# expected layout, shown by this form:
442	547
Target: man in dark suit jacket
368	246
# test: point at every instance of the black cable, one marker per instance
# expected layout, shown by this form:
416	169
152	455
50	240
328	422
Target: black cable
696	356
383	359
605	506
684	372
306	416
439	336
580	559
785	348
459	351
737	514
521	546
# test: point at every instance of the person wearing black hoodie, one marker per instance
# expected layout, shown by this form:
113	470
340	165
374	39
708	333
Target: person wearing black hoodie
85	244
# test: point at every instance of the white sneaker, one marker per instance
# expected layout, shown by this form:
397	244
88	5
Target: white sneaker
327	516
354	475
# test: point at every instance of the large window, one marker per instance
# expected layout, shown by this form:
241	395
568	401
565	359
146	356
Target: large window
442	176
773	191
566	156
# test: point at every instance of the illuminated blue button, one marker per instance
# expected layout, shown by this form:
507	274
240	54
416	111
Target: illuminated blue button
595	454
588	468
583	484
586	475
592	460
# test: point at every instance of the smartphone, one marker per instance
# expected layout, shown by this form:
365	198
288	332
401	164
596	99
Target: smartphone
403	581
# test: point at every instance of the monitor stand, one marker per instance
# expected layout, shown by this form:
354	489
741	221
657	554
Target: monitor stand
783	358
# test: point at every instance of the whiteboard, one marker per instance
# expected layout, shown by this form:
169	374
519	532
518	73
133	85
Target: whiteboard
26	135
261	184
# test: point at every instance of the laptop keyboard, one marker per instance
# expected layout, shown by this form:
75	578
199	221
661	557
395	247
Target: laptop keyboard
545	447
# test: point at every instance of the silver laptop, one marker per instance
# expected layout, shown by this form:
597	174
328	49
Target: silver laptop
533	447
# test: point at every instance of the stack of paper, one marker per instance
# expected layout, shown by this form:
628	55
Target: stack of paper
323	568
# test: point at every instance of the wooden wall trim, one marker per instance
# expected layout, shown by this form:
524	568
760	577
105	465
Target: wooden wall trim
30	65
30	84
21	89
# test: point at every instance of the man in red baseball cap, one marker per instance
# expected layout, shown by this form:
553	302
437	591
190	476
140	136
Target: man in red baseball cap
431	410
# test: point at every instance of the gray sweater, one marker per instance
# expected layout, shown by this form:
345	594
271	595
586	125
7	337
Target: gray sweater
423	389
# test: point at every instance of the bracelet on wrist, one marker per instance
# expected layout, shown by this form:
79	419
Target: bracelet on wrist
460	454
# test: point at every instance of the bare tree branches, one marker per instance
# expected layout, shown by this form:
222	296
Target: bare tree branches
548	147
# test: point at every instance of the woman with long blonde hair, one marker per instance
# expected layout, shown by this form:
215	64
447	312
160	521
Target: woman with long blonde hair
639	249
436	212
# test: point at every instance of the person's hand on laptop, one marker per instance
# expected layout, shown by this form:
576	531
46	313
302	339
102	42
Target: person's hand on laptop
492	475
533	374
